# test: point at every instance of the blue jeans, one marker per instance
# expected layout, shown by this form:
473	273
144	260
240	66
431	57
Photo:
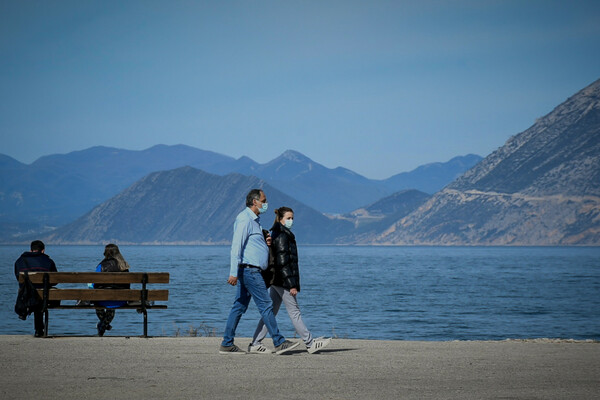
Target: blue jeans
251	284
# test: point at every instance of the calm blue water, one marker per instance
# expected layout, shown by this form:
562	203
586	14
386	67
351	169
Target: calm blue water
405	293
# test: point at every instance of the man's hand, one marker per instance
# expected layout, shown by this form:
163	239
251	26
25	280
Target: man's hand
293	292
232	280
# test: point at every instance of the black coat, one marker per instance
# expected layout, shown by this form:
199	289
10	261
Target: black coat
28	299
284	260
111	265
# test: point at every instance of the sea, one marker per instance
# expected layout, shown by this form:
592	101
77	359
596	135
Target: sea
355	292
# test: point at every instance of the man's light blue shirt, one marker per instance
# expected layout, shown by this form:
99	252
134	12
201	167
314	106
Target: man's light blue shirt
248	245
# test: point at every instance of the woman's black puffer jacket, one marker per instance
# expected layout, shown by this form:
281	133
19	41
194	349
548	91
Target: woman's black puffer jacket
111	265
285	258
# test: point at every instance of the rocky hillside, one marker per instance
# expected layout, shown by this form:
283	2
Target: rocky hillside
541	188
188	206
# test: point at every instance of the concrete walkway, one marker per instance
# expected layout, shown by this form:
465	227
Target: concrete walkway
191	368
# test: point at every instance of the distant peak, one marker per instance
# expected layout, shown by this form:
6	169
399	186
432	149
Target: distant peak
6	160
170	146
294	155
158	146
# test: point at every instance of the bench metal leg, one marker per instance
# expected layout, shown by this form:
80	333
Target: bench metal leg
144	303
46	323
145	324
45	302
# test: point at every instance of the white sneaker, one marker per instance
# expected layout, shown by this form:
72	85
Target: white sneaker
318	344
258	349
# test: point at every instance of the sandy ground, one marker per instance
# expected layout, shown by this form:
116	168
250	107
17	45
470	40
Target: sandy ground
191	368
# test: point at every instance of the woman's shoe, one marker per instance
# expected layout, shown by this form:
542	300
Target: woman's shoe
318	344
101	328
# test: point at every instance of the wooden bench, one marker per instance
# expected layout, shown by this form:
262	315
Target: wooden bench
138	299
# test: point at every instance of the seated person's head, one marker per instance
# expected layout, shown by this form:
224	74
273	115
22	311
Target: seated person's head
37	246
111	250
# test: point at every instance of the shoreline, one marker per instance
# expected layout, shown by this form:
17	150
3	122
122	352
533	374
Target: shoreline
68	367
524	340
383	245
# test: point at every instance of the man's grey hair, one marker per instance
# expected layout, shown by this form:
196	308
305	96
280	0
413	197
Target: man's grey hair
254	194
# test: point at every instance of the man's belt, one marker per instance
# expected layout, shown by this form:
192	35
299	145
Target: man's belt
250	266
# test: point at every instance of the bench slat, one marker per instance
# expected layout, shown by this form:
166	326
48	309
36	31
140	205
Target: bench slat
96	277
127	307
104	294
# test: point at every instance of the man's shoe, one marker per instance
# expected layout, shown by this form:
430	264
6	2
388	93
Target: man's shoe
233	349
318	345
285	347
38	334
258	349
101	328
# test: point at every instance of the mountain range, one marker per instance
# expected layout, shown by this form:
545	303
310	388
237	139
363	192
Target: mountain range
542	187
59	188
55	190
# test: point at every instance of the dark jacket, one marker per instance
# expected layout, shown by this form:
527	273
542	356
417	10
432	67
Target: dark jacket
34	262
28	300
284	264
110	265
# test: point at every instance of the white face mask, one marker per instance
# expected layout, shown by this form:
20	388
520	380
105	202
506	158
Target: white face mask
264	208
288	223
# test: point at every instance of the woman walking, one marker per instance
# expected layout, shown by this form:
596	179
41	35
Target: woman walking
284	279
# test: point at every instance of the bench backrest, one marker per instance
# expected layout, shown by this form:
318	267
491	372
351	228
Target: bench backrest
96	277
104	278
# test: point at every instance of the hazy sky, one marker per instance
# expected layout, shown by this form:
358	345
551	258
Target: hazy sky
379	87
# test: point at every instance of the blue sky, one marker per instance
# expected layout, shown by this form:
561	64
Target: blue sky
379	87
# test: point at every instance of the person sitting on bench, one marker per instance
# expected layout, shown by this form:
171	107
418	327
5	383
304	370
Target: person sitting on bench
113	262
36	260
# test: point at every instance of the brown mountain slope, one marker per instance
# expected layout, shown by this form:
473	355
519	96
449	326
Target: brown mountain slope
541	188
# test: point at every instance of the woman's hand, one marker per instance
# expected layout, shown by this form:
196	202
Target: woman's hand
267	236
293	292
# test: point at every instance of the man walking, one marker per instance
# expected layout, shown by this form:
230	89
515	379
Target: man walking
249	256
35	260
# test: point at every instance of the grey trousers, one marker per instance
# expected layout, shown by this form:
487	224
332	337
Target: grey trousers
279	294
